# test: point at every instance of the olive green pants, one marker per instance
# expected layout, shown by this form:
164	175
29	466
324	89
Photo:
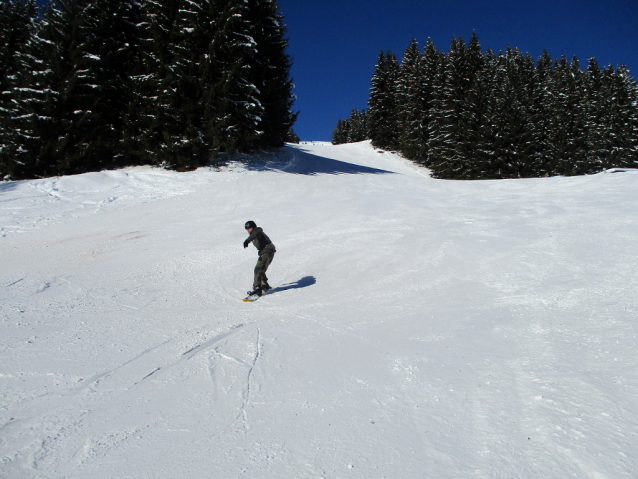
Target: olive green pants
265	258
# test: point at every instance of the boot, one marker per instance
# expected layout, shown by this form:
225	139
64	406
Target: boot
257	291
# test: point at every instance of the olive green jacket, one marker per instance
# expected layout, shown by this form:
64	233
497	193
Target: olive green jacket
260	240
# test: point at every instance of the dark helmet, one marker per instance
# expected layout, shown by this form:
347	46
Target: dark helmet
250	224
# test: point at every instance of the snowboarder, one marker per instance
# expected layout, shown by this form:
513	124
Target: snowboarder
266	253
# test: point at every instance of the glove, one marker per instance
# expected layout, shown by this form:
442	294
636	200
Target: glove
246	244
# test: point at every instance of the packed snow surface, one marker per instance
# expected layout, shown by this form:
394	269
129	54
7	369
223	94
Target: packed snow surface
418	328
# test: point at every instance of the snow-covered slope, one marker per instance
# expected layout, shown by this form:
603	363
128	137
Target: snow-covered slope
418	328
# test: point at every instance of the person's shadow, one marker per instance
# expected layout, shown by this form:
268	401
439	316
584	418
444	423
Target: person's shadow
300	283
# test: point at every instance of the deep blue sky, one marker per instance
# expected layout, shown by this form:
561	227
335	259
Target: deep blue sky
335	44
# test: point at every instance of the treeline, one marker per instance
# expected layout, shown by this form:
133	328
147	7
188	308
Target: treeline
87	84
466	114
352	129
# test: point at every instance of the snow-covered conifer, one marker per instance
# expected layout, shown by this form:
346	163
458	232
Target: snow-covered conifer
383	115
153	131
470	115
410	100
621	105
506	141
270	71
458	113
341	132
17	25
566	142
72	87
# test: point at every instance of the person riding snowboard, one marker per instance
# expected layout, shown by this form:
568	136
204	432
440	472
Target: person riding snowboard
266	252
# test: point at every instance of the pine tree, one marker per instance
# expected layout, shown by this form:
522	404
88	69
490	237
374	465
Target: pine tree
164	82
410	101
341	132
511	101
358	130
189	74
215	78
492	147
72	87
270	71
431	69
40	114
566	119
622	130
578	90
108	58
352	129
474	104
597	116
440	123
196	72
458	117
17	25
153	129
234	110
170	122
292	137
541	116
383	114
503	116
17	18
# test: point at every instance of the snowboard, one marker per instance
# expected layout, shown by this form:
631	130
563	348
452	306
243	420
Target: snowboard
251	298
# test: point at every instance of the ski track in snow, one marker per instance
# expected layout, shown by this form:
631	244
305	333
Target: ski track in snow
417	328
74	412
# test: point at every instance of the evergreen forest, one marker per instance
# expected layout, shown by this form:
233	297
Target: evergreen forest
92	84
469	114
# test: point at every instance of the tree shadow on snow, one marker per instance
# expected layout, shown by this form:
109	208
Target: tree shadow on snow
300	283
8	186
299	162
304	163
